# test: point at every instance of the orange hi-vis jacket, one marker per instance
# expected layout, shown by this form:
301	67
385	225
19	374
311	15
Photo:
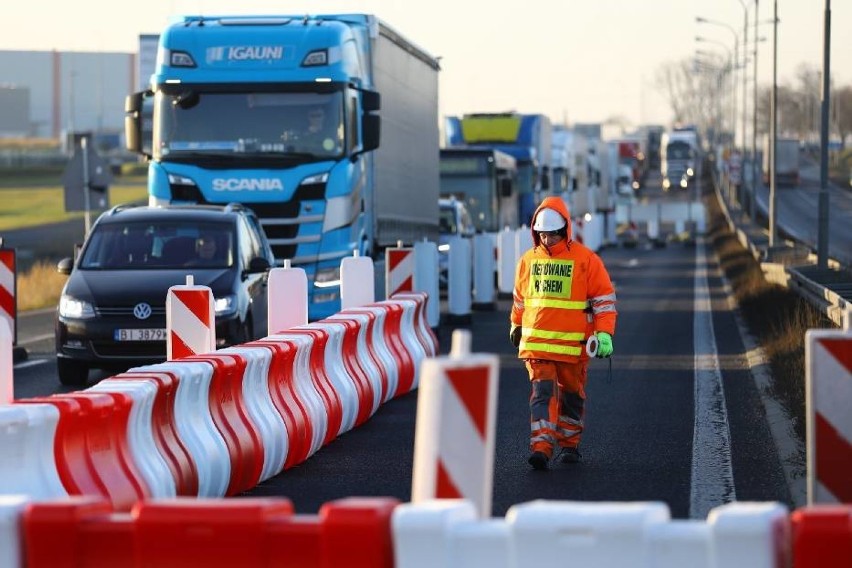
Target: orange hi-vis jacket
562	296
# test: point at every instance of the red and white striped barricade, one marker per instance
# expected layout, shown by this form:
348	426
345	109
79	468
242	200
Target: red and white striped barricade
828	366
190	320
459	285
231	416
303	387
166	435
424	331
378	348
455	430
408	333
9	289
357	281
366	357
28	465
195	425
258	402
7	374
389	317
427	280
399	270
12	530
140	434
484	294
287	298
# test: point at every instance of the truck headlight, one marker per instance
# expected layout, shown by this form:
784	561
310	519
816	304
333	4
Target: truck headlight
327	277
71	307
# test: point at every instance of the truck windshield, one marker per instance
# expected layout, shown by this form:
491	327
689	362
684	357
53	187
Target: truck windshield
307	126
678	151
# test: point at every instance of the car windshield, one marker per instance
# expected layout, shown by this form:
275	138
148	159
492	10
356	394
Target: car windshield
158	246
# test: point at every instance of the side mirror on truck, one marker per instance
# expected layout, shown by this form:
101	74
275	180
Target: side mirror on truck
134	119
371	101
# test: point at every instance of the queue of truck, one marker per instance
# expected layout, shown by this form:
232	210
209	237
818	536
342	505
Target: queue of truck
304	120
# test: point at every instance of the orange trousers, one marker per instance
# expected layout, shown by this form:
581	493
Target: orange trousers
557	404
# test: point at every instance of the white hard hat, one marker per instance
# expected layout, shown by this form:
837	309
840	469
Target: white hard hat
548	220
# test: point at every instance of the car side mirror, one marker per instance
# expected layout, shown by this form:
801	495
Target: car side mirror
65	266
258	264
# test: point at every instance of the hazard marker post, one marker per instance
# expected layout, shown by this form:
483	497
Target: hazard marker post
456	423
9	298
190	320
828	391
399	270
287	298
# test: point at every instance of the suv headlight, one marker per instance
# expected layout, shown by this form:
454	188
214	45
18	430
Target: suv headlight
327	277
225	306
71	307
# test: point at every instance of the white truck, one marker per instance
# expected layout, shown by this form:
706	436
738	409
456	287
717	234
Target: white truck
786	164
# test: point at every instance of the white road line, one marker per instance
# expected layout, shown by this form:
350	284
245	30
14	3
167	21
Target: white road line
30	363
712	474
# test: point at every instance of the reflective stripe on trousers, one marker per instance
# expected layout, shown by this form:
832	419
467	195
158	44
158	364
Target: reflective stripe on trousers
557	404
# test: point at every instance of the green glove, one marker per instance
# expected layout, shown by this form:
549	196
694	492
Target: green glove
515	335
604	344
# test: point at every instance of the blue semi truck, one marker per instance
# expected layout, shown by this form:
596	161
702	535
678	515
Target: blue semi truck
283	114
525	137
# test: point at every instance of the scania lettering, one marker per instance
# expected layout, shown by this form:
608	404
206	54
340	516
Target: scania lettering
229	115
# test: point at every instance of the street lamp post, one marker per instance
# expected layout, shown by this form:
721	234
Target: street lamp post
773	125
753	204
822	231
702	20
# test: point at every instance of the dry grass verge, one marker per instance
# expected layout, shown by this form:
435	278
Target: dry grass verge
776	317
39	287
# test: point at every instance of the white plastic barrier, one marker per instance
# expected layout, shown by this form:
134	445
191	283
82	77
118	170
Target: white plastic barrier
287	298
603	534
28	464
195	424
484	294
459	273
11	531
506	261
7	390
258	402
340	379
357	281
427	279
304	387
140	434
523	242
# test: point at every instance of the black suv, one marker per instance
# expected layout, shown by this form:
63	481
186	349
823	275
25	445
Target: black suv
112	313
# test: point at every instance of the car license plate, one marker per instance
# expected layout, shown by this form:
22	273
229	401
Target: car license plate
140	334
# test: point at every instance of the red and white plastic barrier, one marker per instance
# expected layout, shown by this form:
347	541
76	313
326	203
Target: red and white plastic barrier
456	423
399	272
190	320
828	365
9	289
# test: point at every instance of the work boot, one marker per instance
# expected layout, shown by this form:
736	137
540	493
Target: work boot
538	460
569	455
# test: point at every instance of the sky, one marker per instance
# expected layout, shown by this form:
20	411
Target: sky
574	60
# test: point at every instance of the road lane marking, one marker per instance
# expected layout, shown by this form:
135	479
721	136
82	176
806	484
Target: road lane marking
30	363
712	474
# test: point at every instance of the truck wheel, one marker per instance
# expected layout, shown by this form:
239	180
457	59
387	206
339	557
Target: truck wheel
72	373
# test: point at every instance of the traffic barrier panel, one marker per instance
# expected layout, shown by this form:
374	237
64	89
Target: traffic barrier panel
285	397
287	298
11	531
195	425
524	242
208	532
424	332
27	438
230	414
422	532
91	448
9	290
353	532
484	293
190	320
507	258
389	316
140	434
7	376
459	285
165	431
80	531
822	536
357	281
375	357
750	534
427	280
350	377
342	383
321	383
828	380
399	271
456	422
258	401
408	334
304	388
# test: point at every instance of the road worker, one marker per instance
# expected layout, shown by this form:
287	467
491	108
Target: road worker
562	297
